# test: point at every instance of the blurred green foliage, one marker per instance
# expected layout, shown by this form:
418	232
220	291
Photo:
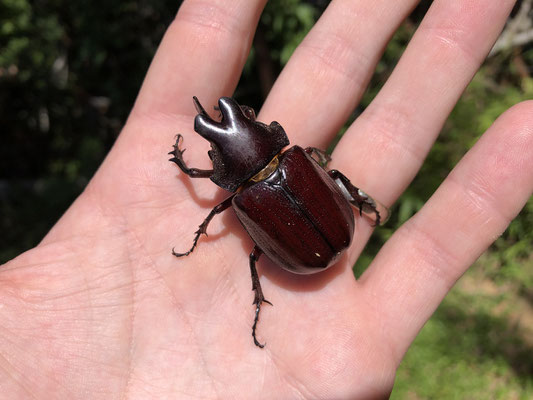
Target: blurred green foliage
467	351
69	74
287	22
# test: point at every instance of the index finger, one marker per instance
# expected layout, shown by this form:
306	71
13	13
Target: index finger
202	54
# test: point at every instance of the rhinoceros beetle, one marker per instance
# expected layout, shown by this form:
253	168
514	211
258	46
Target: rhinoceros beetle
297	213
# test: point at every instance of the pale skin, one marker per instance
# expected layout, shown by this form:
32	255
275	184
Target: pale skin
101	308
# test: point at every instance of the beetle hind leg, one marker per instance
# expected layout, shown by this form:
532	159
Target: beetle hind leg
320	156
178	159
202	229
256	287
366	204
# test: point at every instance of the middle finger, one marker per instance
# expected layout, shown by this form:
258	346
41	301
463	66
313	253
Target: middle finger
327	74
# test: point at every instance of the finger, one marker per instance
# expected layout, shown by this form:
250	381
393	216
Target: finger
202	54
330	69
390	140
473	206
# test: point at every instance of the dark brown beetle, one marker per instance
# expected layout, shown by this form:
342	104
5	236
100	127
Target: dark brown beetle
296	213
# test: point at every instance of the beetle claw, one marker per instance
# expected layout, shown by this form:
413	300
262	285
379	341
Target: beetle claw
378	218
254	327
177	152
181	254
194	243
178	159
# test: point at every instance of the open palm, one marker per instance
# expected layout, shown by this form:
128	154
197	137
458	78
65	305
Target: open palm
101	309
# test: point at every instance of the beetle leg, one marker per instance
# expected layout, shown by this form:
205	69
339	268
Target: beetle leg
256	287
360	199
320	156
202	229
178	159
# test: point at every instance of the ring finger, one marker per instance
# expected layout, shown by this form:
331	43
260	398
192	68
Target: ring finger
392	137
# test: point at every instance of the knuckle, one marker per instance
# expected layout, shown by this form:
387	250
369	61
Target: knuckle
336	54
438	258
395	127
449	40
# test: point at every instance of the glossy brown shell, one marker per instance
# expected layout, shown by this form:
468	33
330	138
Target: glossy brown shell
297	216
240	145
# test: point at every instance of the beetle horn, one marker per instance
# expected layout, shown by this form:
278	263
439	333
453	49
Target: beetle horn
231	111
199	108
205	125
240	146
208	128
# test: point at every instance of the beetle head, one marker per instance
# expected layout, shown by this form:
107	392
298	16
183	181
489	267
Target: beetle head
240	145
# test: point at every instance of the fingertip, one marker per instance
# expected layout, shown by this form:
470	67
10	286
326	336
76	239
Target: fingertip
519	120
508	143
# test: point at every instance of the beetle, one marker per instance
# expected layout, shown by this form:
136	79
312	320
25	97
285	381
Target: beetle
296	212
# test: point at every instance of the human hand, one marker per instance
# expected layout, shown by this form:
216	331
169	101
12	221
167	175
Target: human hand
101	309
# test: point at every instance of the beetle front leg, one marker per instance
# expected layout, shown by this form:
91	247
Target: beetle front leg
178	159
360	199
202	229
256	287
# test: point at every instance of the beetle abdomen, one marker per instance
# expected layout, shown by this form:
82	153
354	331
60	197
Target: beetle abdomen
297	216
